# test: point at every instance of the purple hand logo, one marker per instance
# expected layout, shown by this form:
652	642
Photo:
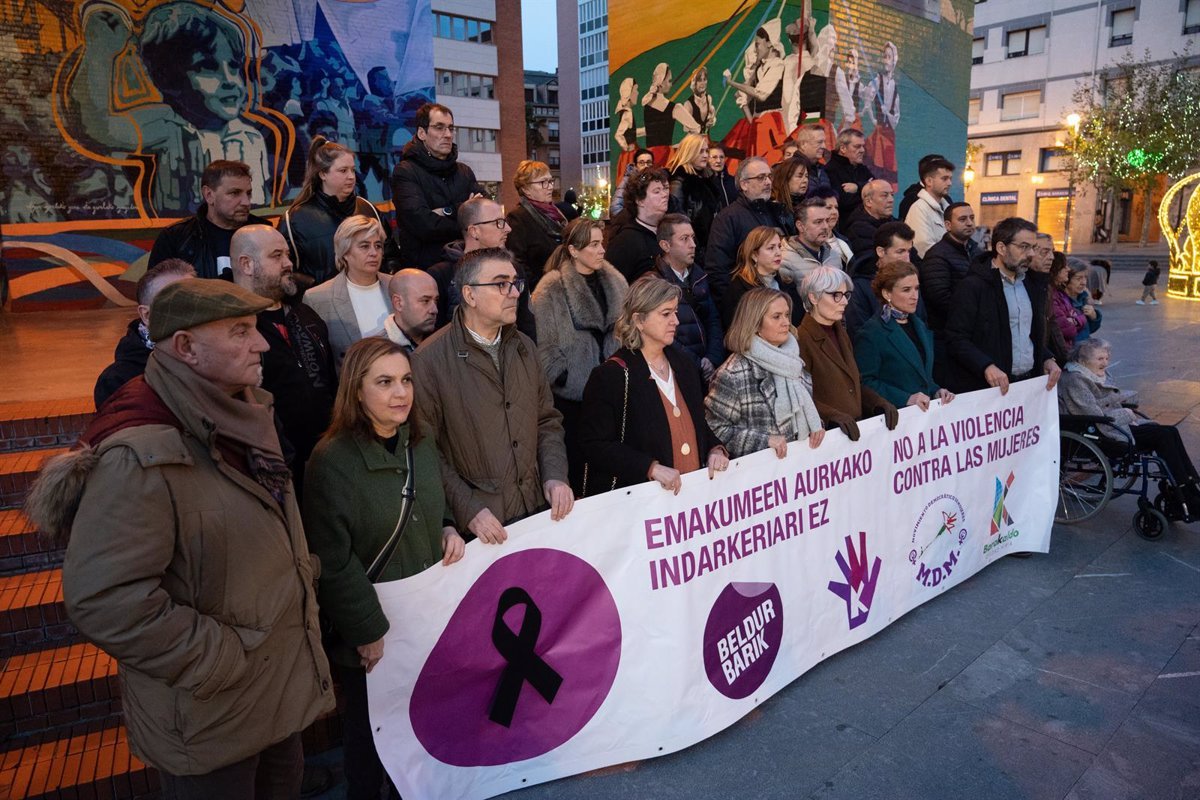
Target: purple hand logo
859	589
527	658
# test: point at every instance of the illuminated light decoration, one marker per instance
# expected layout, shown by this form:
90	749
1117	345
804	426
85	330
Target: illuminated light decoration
1141	160
1183	240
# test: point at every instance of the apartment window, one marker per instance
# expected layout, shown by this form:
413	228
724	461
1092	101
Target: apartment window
476	140
1191	17
977	51
552	131
1005	163
973	106
465	84
462	29
1020	105
1122	28
1052	159
1026	42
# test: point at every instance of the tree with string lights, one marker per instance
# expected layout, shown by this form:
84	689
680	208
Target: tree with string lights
1136	123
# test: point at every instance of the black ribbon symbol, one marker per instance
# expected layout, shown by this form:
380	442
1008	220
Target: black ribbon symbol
523	663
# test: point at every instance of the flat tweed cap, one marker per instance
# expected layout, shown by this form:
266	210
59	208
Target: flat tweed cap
195	301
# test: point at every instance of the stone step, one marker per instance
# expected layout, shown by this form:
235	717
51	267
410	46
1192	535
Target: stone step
89	760
54	687
17	472
32	615
34	425
22	547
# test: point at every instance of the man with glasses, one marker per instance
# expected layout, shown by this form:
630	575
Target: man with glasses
483	225
484	394
752	208
996	329
428	186
643	160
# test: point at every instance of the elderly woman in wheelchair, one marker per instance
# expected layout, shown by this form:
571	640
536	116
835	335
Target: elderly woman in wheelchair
1092	403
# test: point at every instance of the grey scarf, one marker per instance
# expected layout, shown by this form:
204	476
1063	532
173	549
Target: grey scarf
793	385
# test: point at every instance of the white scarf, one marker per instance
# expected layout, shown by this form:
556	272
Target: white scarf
793	392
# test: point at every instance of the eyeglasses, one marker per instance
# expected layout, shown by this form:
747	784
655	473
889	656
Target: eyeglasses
499	222
545	183
766	176
841	297
442	128
505	287
1024	247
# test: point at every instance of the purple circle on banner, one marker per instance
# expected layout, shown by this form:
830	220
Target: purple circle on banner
742	637
579	639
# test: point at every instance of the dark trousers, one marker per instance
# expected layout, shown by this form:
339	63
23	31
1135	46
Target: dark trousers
1166	441
365	775
273	774
570	410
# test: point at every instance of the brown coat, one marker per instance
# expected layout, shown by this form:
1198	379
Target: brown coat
838	391
200	584
499	436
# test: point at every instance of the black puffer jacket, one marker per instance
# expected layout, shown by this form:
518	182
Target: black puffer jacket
192	239
730	228
423	186
944	265
309	231
977	332
129	361
699	332
860	228
841	172
632	247
697	198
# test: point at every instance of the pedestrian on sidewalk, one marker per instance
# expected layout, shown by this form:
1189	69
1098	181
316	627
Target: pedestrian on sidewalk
1149	282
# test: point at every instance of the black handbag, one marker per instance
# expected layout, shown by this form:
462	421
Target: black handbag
329	635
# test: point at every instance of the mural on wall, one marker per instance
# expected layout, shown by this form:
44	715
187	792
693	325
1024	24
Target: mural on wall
112	108
748	73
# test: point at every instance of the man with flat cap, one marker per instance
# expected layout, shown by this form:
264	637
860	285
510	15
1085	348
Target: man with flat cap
186	559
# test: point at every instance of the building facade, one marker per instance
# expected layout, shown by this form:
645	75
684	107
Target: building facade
1028	57
478	75
544	136
583	75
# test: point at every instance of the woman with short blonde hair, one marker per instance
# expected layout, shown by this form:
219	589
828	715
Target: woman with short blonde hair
643	408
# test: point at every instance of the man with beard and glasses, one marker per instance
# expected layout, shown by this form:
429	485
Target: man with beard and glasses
995	332
298	367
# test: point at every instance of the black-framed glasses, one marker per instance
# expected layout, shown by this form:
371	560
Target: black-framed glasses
766	176
500	222
545	183
505	287
841	297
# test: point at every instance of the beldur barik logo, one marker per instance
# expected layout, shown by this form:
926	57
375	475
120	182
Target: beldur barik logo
1002	521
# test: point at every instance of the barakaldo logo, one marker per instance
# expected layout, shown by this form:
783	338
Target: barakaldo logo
858	590
1002	521
742	637
937	539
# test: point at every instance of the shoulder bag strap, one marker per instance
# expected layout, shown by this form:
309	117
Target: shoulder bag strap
407	495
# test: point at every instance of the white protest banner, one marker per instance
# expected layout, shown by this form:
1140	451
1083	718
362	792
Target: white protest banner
646	622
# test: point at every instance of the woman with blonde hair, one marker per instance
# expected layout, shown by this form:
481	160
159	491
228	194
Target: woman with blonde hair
356	303
576	306
536	224
326	199
692	188
762	395
758	262
643	409
374	510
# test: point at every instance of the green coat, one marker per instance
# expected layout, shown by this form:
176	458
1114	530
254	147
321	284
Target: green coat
889	362
352	496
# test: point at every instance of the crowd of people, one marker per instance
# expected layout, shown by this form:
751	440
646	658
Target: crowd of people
435	383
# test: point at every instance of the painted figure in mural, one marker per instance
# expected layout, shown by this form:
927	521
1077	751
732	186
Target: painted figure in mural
802	33
881	104
378	126
700	105
849	88
626	128
660	113
760	96
330	96
196	58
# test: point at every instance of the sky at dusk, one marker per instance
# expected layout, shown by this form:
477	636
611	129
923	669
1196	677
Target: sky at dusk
539	34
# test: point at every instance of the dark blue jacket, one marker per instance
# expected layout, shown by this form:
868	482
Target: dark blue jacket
699	332
889	362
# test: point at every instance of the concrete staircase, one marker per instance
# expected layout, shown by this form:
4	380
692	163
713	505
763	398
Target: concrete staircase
61	728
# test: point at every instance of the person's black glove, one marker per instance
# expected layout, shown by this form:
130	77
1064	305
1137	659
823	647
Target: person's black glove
848	426
891	415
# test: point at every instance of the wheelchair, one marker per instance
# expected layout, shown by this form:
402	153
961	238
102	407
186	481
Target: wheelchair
1094	468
